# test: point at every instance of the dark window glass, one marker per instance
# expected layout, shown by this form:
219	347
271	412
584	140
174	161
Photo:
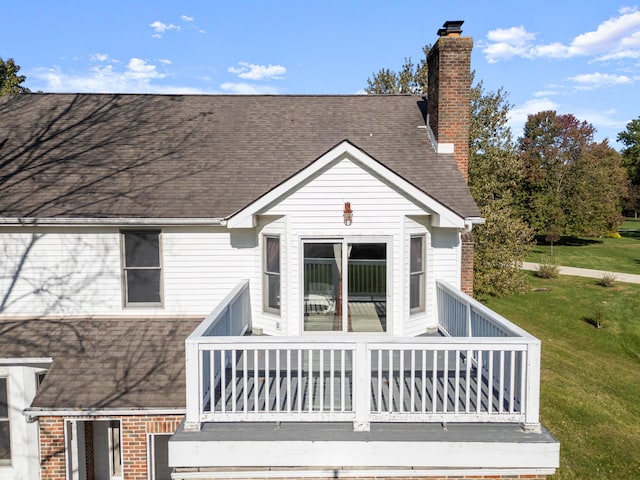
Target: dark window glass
142	271
161	468
271	282
142	249
416	278
143	286
5	439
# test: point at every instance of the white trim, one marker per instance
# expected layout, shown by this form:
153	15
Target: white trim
442	216
471	455
439	147
113	412
348	473
18	361
92	222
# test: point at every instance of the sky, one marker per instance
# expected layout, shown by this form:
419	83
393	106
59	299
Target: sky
578	57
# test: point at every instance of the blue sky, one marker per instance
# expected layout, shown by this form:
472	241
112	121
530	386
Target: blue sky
571	56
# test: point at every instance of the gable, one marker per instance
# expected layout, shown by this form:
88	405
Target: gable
346	173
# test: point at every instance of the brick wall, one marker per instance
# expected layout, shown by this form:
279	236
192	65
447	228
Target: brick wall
466	268
134	443
52	457
449	95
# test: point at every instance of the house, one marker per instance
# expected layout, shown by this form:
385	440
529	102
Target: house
254	287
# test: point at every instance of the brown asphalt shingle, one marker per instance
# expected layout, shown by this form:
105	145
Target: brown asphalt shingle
104	363
199	156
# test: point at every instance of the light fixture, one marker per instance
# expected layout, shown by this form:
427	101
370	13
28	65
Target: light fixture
347	214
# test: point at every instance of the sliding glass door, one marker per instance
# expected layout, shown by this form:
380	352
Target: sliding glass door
345	285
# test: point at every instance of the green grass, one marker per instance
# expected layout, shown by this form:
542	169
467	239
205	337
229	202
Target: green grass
590	387
609	254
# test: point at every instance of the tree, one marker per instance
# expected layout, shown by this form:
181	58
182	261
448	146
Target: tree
10	81
571	184
410	79
502	243
630	138
494	169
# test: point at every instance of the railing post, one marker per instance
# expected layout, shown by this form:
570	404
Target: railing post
362	388
194	395
469	332
532	400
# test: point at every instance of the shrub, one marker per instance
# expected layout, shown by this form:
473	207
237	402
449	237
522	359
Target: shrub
607	280
613	235
597	319
548	269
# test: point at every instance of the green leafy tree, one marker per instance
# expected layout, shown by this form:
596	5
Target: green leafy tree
571	184
495	170
502	243
630	138
10	81
412	78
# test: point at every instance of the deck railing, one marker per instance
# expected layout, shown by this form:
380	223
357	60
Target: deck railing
463	377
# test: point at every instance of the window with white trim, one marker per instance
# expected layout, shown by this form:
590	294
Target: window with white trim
417	274
271	274
115	450
142	270
5	437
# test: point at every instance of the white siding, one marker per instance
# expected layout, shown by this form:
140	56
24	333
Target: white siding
25	461
77	271
315	211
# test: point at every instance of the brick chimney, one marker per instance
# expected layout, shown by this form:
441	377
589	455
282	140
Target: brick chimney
449	90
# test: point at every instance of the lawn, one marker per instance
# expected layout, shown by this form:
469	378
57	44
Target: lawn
590	390
609	254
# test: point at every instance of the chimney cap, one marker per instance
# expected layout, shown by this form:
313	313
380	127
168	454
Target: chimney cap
451	27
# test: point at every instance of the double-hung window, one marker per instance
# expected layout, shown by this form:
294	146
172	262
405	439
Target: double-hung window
417	274
142	271
271	275
5	439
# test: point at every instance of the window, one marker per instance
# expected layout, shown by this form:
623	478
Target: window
115	452
159	457
271	279
5	439
40	378
416	277
141	267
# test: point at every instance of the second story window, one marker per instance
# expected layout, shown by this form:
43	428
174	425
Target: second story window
271	279
417	274
142	272
5	439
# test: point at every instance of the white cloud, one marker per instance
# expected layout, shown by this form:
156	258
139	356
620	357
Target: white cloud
518	116
595	80
165	61
248	89
161	28
186	18
545	93
250	71
615	38
137	76
99	57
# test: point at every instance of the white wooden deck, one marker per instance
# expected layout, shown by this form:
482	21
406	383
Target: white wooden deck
482	368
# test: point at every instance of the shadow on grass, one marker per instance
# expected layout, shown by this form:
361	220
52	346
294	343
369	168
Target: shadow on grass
633	234
569	242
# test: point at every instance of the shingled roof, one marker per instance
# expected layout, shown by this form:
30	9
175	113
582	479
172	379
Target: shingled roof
103	363
199	156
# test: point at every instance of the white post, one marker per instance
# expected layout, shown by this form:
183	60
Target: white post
194	395
532	393
361	388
